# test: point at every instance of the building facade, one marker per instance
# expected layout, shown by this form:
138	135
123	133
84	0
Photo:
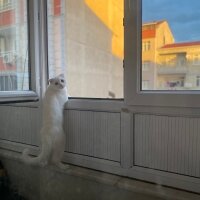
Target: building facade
179	66
167	65
14	71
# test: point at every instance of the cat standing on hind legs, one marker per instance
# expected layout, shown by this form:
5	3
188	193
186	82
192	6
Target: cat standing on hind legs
52	134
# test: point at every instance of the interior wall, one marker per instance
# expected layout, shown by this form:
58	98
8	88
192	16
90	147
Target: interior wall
159	148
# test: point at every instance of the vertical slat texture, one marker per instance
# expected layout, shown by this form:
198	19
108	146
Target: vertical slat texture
168	143
19	124
127	139
95	134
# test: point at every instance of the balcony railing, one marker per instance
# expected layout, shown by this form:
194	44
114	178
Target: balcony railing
6	6
8	56
164	69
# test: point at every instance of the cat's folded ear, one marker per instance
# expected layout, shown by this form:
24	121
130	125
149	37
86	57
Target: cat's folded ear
50	80
61	75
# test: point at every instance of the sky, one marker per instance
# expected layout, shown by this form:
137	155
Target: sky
183	17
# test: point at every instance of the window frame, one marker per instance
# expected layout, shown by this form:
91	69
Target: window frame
88	98
133	95
34	60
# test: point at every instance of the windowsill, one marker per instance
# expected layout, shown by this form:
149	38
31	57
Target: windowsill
107	105
90	176
7	97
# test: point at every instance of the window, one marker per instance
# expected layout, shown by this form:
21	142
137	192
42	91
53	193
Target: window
17	44
170	42
196	60
14	53
85	42
172	71
6	5
146	46
163	40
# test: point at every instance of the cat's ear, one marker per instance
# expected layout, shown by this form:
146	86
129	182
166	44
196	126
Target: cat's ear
50	80
61	75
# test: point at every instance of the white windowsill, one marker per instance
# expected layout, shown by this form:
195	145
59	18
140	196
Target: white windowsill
107	105
108	180
17	96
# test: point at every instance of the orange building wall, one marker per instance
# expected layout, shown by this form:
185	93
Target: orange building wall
57	7
7	18
111	13
146	34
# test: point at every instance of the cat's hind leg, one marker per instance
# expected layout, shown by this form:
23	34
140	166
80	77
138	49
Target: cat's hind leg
58	151
47	146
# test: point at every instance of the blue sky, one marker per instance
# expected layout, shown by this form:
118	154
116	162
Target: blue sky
183	16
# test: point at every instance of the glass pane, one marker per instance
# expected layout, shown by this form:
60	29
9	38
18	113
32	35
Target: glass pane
86	43
170	45
14	70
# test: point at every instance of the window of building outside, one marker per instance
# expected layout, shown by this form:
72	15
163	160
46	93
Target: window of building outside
86	43
14	53
196	60
146	46
175	43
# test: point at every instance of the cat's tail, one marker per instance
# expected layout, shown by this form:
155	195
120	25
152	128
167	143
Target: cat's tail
40	160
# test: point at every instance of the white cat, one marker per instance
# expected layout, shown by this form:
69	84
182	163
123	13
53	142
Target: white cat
52	133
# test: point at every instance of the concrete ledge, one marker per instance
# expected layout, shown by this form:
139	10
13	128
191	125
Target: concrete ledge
80	183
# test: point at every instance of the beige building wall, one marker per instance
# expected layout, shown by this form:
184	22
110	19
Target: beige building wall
163	36
157	34
170	65
92	69
180	64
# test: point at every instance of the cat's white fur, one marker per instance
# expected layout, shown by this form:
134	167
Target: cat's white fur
52	134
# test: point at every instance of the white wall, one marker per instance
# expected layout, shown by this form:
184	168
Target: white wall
152	144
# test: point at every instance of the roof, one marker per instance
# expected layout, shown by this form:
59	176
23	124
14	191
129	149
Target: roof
153	23
148	34
149	29
181	44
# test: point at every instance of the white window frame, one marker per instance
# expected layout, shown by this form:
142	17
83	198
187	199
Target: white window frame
84	100
34	60
133	95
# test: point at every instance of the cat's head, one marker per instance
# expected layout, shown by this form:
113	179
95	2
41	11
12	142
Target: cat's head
58	82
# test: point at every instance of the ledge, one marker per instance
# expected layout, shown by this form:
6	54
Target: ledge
78	181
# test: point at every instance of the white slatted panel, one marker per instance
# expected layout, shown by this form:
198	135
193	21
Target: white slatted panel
168	143
19	124
95	134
